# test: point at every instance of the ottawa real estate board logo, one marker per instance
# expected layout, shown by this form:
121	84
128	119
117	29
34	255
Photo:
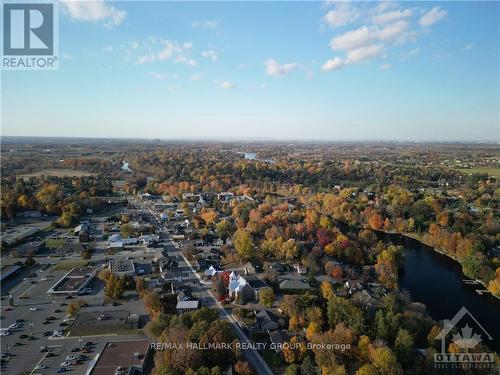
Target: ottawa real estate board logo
461	343
30	35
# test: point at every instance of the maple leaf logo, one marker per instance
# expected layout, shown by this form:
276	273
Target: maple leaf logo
466	340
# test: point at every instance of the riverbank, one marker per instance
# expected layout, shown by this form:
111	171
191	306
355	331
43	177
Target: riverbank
420	239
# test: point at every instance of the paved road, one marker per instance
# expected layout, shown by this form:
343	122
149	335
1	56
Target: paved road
252	355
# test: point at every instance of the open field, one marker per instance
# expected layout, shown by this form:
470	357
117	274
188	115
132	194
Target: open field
54	243
491	171
57	173
69	265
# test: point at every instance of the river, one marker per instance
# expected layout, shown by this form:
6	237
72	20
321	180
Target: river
437	281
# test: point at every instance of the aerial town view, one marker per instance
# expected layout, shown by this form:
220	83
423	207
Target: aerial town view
215	188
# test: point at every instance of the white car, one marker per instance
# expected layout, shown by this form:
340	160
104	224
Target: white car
41	367
34	308
4	332
14	326
65	364
57	334
71	358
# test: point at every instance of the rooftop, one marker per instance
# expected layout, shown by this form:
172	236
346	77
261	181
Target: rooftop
121	354
121	265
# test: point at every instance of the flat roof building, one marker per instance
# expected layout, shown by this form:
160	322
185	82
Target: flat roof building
122	267
102	322
121	358
74	282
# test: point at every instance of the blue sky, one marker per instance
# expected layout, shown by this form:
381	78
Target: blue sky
287	70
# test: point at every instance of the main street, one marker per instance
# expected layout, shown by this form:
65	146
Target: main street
252	355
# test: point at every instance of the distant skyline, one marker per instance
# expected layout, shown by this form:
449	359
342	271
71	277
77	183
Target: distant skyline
331	71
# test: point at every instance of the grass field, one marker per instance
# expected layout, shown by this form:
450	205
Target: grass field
69	265
54	243
491	171
57	173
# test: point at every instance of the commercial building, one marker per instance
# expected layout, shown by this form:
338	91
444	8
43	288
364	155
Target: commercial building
74	282
122	357
102	322
122	267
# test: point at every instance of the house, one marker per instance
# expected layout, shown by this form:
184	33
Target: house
225	197
147	239
251	268
83	227
302	270
365	298
165	263
278	339
28	215
278	267
293	286
353	286
70	248
238	286
267	320
210	272
184	306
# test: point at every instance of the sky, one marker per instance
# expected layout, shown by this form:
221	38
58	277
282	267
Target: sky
418	71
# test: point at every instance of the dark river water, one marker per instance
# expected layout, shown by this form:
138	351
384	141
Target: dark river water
437	281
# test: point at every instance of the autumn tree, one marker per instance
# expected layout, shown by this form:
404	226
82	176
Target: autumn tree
266	297
243	244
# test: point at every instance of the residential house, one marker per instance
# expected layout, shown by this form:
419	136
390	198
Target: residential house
238	286
267	320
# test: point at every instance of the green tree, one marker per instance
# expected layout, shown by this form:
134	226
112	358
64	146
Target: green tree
266	297
243	243
403	346
340	310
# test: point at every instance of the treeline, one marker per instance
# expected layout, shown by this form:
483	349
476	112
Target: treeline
66	197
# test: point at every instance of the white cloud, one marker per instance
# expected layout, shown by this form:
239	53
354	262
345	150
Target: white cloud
186	60
273	68
431	17
385	66
392	31
174	88
343	14
94	11
469	47
67	56
166	50
208	24
226	85
364	53
332	64
210	55
411	53
352	39
392	16
159	76
197	77
108	48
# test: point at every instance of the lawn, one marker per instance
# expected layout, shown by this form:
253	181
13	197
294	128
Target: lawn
490	171
70	264
55	172
54	243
